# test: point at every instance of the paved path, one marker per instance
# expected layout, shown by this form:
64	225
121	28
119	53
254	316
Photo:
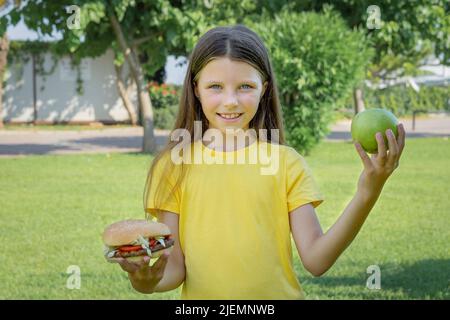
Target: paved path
26	142
14	143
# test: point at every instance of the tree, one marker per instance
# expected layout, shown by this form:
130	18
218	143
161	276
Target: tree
4	46
317	60
124	91
89	28
151	28
402	32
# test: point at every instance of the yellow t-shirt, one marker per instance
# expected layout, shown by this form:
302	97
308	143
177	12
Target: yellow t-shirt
234	221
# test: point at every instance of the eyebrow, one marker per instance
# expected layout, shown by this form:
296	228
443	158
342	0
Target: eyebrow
244	81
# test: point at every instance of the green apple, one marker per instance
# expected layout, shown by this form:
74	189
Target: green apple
366	124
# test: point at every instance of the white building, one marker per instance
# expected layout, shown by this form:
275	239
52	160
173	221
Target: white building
54	98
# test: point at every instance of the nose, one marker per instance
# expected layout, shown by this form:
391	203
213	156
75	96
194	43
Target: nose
230	100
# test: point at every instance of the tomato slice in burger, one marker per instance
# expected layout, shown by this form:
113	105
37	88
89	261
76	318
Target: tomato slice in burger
130	248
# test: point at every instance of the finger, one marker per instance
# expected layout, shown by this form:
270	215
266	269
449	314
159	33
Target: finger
401	138
143	263
382	153
159	266
363	155
127	265
161	263
393	149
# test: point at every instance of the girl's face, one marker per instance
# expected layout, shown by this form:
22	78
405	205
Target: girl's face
229	88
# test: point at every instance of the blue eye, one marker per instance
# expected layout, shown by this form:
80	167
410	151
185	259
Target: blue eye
218	86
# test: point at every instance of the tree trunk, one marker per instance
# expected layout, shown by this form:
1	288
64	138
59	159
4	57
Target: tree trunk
4	48
149	145
358	100
124	95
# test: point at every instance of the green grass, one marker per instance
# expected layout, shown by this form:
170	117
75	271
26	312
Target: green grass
54	208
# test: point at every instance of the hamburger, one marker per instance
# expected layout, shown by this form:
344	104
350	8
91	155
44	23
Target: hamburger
135	239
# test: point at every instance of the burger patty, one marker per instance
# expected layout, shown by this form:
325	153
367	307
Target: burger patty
143	252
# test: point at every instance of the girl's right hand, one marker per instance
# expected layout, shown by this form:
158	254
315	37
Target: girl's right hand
142	275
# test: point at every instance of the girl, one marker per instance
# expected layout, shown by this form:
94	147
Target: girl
232	224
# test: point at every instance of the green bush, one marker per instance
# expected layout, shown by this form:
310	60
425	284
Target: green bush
403	100
165	99
317	60
165	117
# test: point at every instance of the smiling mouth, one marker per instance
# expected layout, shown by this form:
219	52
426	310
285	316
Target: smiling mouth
229	116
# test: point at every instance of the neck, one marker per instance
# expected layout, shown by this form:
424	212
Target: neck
231	142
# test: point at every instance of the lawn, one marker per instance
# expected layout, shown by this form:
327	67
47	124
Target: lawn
53	210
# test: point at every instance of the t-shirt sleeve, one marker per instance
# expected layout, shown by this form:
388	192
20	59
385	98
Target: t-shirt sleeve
160	192
301	186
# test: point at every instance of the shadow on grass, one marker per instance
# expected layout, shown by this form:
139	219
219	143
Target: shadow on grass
429	278
80	145
29	149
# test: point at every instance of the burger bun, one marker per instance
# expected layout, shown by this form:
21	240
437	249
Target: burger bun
126	231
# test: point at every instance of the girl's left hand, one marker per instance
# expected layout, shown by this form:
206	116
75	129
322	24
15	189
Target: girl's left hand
381	165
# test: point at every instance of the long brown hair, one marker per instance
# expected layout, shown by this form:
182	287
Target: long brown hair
237	43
